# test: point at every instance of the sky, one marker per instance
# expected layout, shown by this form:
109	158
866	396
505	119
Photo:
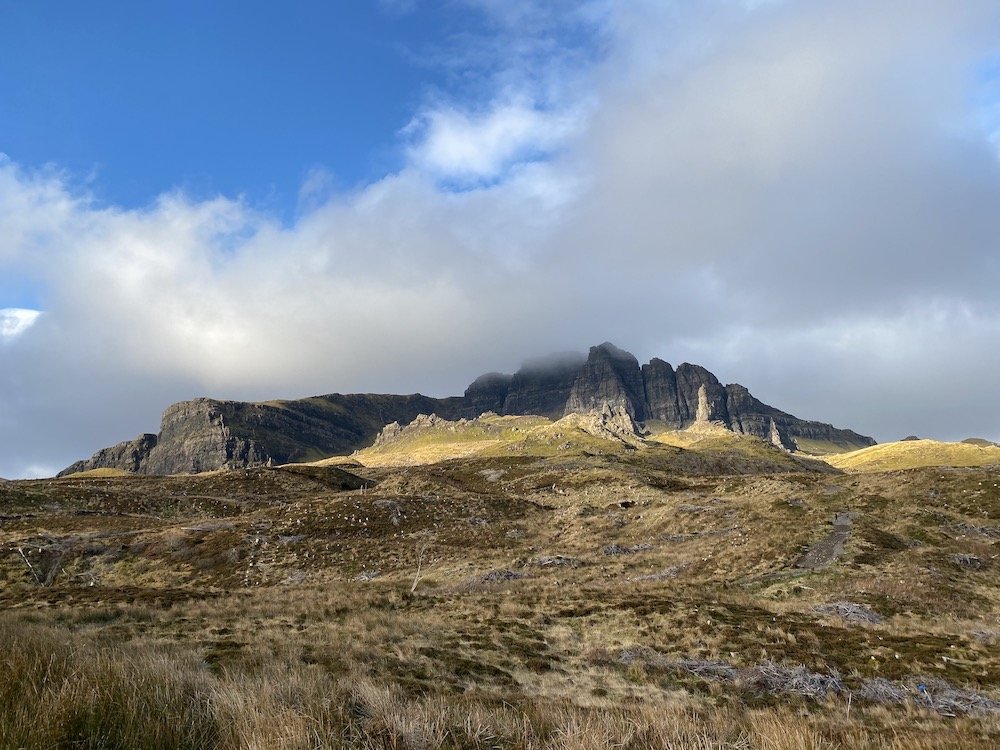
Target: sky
243	201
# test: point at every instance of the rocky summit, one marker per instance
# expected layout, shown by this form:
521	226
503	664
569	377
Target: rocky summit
206	434
655	392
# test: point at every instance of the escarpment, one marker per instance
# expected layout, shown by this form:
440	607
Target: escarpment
206	434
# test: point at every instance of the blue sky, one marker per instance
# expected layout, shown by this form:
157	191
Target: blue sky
246	201
221	97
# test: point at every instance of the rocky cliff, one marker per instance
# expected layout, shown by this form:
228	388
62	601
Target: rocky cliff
609	376
541	386
128	456
654	391
206	434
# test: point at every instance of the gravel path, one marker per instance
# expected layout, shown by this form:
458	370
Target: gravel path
831	547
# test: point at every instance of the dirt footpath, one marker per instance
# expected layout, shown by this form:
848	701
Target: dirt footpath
831	547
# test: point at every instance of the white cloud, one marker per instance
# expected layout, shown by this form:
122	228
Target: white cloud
784	194
14	321
522	91
471	147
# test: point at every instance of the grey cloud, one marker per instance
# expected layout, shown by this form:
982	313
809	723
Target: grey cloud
794	196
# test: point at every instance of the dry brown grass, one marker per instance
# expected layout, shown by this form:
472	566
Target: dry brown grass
68	687
273	608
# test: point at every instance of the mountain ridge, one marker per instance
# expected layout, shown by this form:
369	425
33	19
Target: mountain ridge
205	434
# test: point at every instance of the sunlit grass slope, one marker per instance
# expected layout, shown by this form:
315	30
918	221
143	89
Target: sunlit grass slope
430	440
912	454
700	448
436	440
103	472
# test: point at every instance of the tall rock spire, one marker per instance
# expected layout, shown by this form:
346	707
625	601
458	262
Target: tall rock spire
609	376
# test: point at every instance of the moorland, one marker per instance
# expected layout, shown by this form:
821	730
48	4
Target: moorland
511	581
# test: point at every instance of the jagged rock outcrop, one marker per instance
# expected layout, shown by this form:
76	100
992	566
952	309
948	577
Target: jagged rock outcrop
673	397
690	381
609	376
752	417
206	434
394	430
656	391
486	425
704	412
611	421
389	434
775	437
127	456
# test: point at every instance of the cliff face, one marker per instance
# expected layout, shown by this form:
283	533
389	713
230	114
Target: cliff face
690	381
659	382
487	393
206	434
196	436
127	456
543	386
677	398
609	376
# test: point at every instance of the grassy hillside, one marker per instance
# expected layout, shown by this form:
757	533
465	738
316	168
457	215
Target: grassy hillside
691	592
485	435
702	449
104	472
911	454
823	447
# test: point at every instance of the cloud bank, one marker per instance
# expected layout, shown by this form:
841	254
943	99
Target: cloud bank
800	195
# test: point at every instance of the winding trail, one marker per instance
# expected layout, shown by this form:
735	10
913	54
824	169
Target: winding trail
827	550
